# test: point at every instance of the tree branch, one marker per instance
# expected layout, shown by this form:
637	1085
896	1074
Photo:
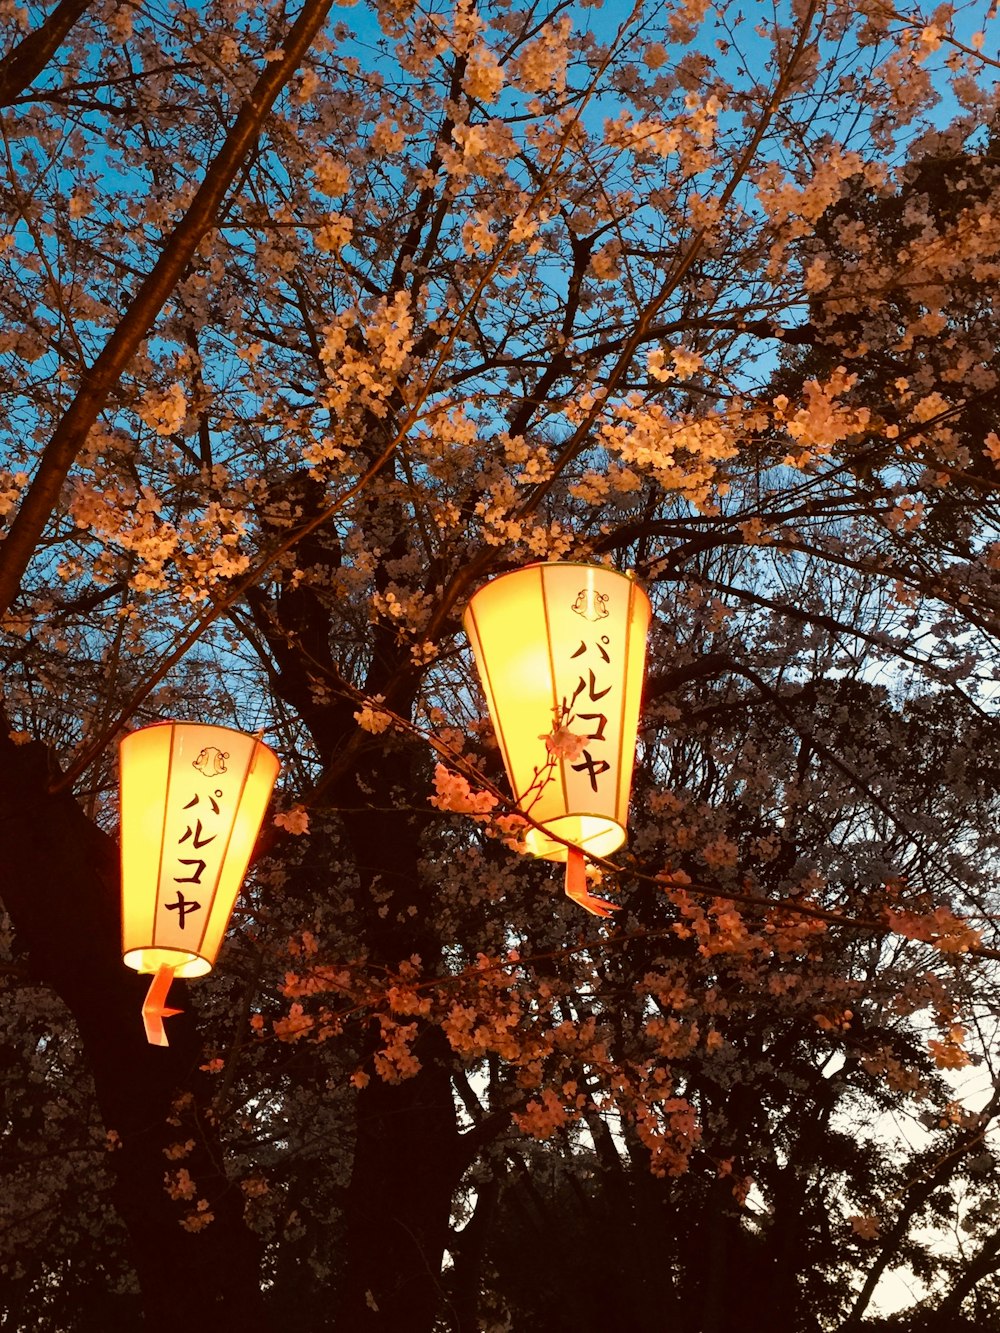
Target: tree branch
22	66
69	436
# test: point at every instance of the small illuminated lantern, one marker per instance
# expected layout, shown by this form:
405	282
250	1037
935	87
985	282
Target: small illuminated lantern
192	801
561	649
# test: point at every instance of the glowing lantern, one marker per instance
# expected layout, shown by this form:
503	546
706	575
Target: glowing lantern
192	801
560	649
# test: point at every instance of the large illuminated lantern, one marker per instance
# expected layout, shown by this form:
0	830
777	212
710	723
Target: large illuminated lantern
561	649
192	801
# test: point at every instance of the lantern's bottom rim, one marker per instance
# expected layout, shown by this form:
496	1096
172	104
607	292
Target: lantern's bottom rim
183	962
596	835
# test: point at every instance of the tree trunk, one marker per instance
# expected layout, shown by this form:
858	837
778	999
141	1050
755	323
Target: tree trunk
408	1152
59	881
399	1199
408	1156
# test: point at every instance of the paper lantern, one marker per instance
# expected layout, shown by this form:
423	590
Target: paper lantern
192	801
561	649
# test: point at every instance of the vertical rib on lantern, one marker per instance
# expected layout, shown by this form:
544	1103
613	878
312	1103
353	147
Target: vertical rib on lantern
563	645
192	801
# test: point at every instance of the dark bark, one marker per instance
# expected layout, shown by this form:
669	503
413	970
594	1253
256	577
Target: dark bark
468	1248
408	1154
21	66
59	881
406	1168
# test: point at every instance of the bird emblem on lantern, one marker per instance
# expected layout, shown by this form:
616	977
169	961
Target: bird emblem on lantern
193	798
560	649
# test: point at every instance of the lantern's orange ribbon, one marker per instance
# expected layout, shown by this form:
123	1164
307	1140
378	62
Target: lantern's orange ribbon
576	885
154	1010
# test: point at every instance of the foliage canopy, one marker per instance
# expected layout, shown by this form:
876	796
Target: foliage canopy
312	322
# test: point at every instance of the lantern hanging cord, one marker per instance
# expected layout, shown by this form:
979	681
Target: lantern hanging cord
154	1009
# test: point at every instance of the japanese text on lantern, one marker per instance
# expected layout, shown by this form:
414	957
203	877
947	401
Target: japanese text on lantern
594	683
195	838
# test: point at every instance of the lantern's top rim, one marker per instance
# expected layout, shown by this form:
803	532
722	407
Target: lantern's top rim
560	564
568	564
215	726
